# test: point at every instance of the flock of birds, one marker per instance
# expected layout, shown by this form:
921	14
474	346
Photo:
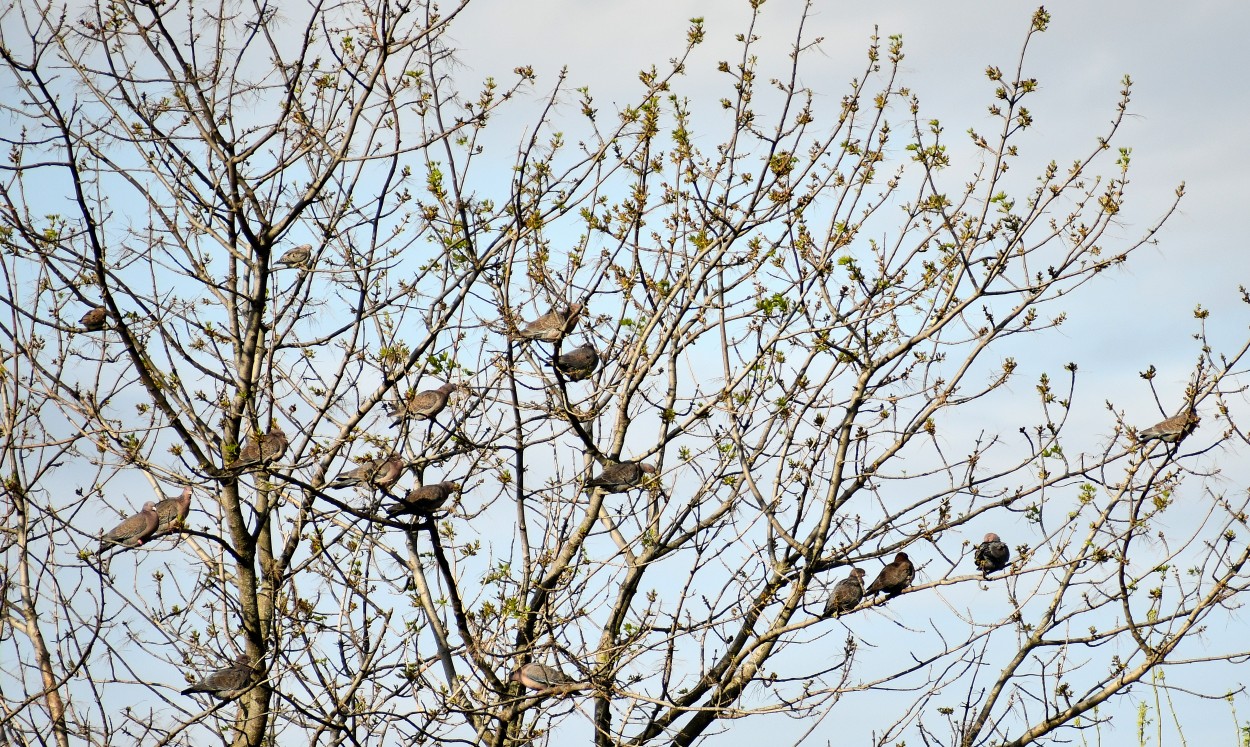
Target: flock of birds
384	472
158	519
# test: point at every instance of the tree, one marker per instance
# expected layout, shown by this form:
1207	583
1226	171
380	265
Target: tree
787	353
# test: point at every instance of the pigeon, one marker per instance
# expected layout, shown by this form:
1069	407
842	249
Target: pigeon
846	593
422	405
269	448
133	530
552	326
249	454
423	500
95	320
620	477
172	512
894	577
579	363
273	444
297	257
537	676
382	472
991	555
227	683
1171	430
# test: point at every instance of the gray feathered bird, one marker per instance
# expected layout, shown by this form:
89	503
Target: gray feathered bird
172	512
537	676
579	363
552	326
133	530
846	594
991	555
421	405
297	257
95	320
227	683
620	477
423	500
894	577
380	472
1171	430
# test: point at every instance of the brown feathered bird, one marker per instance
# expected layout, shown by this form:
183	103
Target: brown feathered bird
620	477
172	512
95	320
579	363
422	405
537	676
297	257
1171	430
133	530
423	500
846	594
552	326
991	555
894	577
268	448
380	472
273	444
227	683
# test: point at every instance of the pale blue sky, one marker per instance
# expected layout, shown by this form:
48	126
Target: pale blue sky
1187	123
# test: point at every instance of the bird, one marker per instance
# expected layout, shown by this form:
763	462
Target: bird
172	512
894	577
422	405
297	257
537	676
579	363
424	499
95	320
268	448
991	555
619	477
273	444
381	472
1171	430
227	683
133	530
846	593
552	326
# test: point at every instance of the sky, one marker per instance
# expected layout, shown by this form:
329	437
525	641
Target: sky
1186	124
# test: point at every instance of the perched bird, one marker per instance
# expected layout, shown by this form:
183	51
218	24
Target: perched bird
537	676
297	257
133	530
172	512
992	554
846	593
579	363
423	500
894	577
227	683
422	405
95	320
1171	430
381	472
619	477
268	448
552	326
273	444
